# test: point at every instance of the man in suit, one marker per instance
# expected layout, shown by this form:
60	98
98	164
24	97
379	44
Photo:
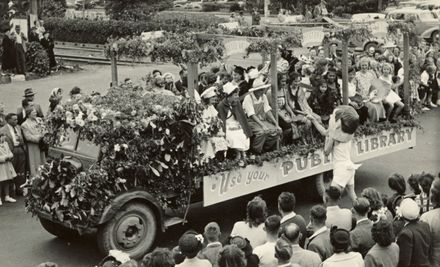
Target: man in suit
300	256
360	237
29	95
14	138
286	205
415	238
319	241
183	82
21	111
342	218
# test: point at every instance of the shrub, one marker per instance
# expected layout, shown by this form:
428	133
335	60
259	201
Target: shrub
37	60
97	31
235	7
339	10
209	7
135	9
53	8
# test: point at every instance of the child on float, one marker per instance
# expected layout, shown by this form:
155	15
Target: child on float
7	172
392	99
217	143
339	137
235	125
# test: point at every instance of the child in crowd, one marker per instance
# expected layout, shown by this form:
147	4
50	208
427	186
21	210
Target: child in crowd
7	172
212	249
424	201
190	245
396	183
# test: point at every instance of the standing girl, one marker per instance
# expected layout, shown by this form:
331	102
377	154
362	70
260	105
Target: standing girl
7	172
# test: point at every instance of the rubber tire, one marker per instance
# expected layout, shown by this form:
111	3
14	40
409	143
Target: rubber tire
58	230
434	33
105	236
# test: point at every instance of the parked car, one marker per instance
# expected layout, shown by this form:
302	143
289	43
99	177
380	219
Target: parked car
432	5
180	3
426	22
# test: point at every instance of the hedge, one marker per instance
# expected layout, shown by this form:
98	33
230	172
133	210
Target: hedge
98	31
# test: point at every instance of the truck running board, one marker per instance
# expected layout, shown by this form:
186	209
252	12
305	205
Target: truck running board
170	221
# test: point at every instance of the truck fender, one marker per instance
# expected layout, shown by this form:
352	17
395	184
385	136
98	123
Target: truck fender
427	34
135	194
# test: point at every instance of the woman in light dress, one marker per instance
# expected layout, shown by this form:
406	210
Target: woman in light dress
7	172
392	99
33	133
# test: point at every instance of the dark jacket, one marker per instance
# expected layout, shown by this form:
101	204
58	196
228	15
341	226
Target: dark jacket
321	245
360	237
414	241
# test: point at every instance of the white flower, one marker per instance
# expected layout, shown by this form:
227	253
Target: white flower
79	121
199	238
69	114
76	107
133	113
125	146
117	148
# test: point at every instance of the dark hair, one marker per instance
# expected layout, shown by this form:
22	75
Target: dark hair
160	257
361	205
286	201
272	224
154	71
189	245
397	183
334	193
425	181
75	90
283	250
9	116
340	239
382	233
373	197
319	214
413	182
231	256
256	212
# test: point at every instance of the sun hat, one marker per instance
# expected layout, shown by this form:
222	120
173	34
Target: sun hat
29	92
259	84
208	93
409	209
229	88
253	73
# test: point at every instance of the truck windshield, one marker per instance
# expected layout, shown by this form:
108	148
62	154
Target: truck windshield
73	143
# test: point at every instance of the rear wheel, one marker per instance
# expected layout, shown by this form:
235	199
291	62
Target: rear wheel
132	230
435	36
58	230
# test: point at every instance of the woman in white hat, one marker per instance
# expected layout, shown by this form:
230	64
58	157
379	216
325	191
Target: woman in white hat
262	122
210	115
235	124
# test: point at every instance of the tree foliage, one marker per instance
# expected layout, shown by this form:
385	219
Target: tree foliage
135	9
53	8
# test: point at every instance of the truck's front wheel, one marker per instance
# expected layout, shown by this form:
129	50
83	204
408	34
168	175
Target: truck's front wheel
132	230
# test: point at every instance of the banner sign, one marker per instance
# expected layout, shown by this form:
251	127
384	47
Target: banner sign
235	46
236	183
312	36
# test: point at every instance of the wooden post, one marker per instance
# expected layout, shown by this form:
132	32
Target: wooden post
406	85
274	81
114	67
345	72
192	78
266	10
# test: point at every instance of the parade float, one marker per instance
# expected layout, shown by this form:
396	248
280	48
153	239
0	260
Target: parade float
127	165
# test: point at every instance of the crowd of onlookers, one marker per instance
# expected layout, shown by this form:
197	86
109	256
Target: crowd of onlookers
398	230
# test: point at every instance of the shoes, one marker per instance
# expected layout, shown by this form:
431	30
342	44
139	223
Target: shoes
432	105
426	109
10	199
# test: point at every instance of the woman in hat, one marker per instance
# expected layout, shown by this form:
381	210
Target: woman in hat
33	133
235	124
210	115
415	238
432	219
340	240
48	43
263	124
190	244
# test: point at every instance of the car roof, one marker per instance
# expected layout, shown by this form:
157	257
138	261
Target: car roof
409	11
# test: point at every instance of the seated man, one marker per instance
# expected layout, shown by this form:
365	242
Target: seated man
265	129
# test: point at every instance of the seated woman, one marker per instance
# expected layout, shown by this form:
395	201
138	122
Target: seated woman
286	117
322	101
235	124
263	124
354	98
238	79
364	78
392	99
216	143
333	85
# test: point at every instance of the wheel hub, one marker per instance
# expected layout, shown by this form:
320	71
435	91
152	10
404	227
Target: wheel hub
130	232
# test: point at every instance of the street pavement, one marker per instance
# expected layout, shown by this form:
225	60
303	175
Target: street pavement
25	243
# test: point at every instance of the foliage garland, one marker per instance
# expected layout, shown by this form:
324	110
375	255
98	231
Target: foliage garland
352	33
396	29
